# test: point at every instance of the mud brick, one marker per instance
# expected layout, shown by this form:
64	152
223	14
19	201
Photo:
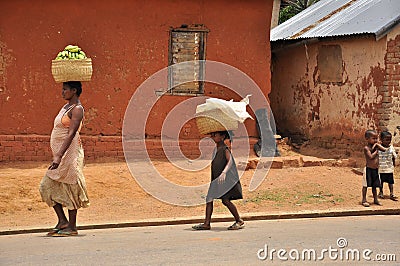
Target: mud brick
307	161
242	166
396	77
7	143
7	137
387	94
387	105
272	163
167	143
391	54
111	153
20	138
346	163
40	158
5	157
328	162
291	161
252	164
386	99
390	44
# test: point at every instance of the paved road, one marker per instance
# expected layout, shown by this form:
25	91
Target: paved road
179	245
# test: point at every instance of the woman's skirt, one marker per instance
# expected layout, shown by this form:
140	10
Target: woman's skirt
71	196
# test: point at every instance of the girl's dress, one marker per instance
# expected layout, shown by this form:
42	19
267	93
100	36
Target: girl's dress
66	184
231	189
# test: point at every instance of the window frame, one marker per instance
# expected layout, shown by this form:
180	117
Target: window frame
324	66
203	31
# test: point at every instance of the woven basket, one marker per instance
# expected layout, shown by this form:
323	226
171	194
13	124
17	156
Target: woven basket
72	70
213	121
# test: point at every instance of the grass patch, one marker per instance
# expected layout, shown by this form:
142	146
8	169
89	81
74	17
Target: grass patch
275	196
309	198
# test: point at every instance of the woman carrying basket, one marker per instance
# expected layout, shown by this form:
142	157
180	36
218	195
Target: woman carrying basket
225	183
64	184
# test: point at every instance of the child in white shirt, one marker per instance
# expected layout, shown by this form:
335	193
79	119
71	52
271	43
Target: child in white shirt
386	164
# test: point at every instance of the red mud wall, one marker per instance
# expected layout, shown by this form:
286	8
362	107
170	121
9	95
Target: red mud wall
128	42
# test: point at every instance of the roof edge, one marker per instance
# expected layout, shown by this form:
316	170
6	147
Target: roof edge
385	29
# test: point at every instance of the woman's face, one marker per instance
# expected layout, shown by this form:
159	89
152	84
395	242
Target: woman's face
67	92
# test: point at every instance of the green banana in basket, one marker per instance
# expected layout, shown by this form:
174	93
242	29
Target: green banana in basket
71	52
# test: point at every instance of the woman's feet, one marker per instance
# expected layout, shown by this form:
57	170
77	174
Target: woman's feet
66	232
57	228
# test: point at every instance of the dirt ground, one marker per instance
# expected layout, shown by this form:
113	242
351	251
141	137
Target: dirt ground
115	196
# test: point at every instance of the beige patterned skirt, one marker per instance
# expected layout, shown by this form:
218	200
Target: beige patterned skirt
71	196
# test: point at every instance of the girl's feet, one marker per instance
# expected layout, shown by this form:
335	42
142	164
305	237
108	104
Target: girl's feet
201	227
237	225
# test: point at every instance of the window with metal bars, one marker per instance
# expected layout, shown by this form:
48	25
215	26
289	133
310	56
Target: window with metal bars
187	44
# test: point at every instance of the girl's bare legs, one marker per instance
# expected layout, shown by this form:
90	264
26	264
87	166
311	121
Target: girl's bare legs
232	208
209	211
207	220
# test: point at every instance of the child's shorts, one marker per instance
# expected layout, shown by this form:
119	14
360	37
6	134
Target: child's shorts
386	178
371	178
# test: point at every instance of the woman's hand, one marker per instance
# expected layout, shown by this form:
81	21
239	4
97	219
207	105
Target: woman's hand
221	178
55	163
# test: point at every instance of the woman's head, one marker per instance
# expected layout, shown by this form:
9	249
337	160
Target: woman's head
73	85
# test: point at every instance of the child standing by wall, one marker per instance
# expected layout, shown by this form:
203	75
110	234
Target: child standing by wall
371	175
386	164
225	183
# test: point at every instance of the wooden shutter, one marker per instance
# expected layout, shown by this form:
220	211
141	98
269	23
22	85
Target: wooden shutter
187	44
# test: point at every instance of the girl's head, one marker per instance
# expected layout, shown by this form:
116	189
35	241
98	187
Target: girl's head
386	138
221	136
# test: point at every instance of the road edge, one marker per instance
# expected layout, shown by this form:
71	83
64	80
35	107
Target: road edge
192	220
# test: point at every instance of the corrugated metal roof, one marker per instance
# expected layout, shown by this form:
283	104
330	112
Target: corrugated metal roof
329	18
